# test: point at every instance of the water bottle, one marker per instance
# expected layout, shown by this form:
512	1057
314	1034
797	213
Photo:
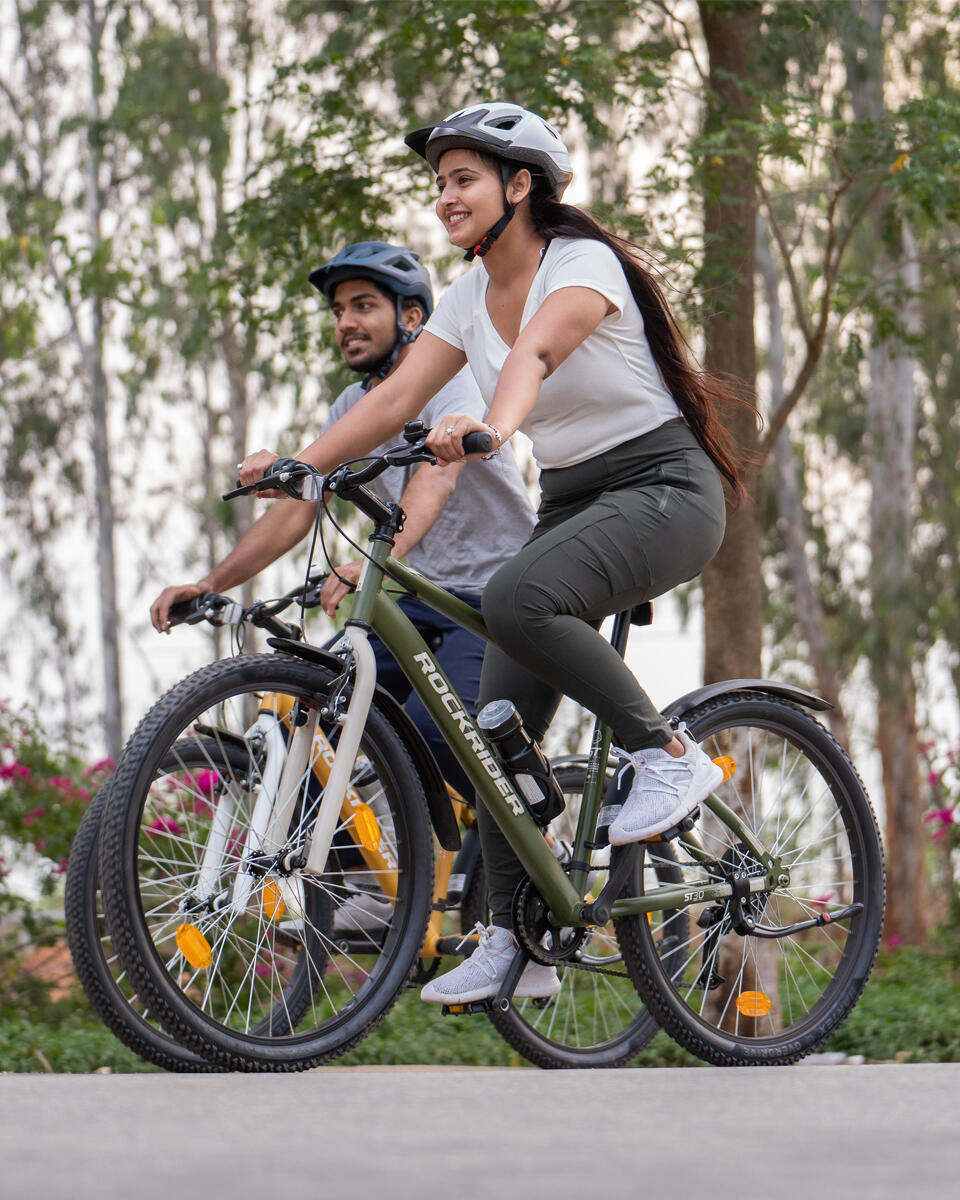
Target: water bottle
500	724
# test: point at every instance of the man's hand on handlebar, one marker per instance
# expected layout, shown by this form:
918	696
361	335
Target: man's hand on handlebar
160	608
335	589
254	467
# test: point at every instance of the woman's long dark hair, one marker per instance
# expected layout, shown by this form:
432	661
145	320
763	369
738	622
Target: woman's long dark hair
698	394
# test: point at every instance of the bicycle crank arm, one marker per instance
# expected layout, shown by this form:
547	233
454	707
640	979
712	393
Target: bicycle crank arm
755	929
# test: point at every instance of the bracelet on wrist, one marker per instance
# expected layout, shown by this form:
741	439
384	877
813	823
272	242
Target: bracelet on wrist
496	434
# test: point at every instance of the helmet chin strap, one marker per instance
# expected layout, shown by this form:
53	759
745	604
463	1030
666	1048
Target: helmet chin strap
404	337
481	248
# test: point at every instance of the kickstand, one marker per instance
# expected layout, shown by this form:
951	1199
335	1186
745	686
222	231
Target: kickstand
509	985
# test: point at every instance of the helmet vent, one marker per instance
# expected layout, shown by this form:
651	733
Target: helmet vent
504	122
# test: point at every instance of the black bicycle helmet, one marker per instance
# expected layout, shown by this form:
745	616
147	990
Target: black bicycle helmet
506	132
393	268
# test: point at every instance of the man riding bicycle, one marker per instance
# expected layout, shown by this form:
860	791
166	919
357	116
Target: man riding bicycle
463	520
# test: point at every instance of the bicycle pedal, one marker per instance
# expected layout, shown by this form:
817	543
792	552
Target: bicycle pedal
467	1010
677	830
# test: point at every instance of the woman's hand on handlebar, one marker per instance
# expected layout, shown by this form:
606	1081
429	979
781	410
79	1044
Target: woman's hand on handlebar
334	589
254	467
446	437
160	608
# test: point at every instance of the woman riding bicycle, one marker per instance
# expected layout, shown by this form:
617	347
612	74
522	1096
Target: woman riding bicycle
570	340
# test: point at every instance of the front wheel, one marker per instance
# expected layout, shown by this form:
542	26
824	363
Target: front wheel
734	998
244	956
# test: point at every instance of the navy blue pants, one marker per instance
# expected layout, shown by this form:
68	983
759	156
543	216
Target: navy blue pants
459	654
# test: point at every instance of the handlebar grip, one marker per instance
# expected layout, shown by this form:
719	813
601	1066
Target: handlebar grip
477	443
191	612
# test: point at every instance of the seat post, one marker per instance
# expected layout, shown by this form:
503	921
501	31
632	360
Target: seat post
621	628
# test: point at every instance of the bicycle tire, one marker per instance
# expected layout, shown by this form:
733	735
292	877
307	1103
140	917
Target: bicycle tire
596	1020
740	1000
94	960
249	961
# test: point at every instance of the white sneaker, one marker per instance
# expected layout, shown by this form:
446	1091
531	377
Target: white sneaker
481	975
362	912
665	790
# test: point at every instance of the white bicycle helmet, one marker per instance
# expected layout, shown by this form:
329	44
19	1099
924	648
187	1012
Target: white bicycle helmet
503	130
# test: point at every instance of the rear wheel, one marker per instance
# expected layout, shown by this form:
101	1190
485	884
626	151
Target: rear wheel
97	964
247	958
734	998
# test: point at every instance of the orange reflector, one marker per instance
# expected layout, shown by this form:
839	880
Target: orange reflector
273	905
754	1004
194	947
367	826
727	765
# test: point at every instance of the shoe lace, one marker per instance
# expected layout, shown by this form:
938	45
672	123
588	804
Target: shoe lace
483	953
630	758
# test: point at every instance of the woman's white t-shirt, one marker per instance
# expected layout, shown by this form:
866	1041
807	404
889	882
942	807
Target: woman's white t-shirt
606	392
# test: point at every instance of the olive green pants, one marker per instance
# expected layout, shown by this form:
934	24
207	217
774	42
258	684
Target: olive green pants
612	532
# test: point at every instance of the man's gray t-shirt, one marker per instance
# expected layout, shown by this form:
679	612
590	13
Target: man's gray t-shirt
488	517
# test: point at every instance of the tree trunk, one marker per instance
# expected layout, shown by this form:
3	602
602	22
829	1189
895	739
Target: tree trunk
891	434
792	514
892	414
103	499
732	583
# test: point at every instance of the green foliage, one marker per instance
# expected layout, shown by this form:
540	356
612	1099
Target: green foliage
910	1011
44	792
68	1043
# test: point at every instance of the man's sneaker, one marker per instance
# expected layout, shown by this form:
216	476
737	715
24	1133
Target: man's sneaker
665	790
361	911
481	975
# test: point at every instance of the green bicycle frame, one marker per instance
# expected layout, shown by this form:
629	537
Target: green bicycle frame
375	606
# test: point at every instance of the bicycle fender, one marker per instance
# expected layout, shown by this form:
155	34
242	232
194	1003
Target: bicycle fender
769	687
442	816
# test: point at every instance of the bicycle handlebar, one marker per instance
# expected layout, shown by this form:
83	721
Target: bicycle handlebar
222	610
303	482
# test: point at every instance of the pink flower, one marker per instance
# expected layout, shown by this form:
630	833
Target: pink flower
8	770
894	941
263	970
937	834
40	845
943	815
820	901
33	815
62	866
83	794
206	782
102	764
933	778
164	825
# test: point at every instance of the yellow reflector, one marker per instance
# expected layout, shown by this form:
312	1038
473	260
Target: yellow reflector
194	947
754	1004
273	905
368	829
727	765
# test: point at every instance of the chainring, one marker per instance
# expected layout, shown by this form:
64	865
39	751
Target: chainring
545	943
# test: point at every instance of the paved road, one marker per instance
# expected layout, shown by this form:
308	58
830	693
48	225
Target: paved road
797	1132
